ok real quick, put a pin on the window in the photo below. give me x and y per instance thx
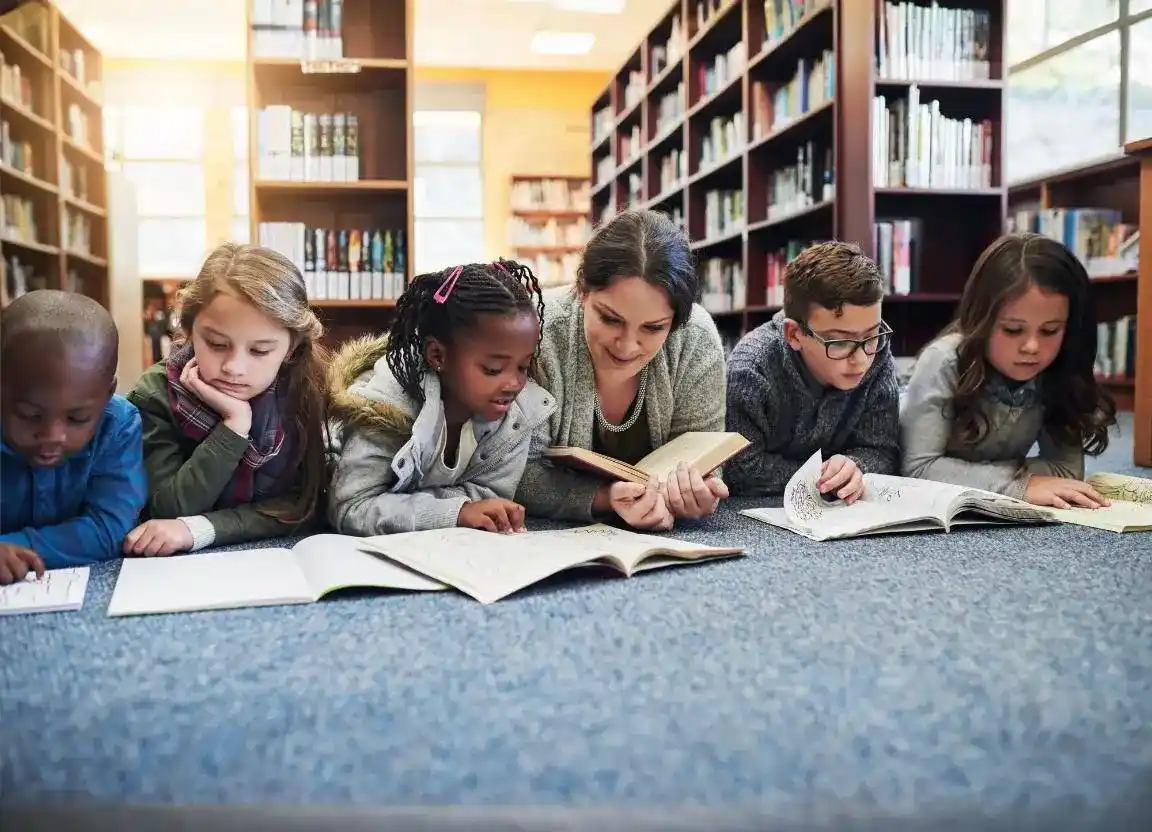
(162, 132)
(171, 247)
(1139, 124)
(1035, 26)
(167, 189)
(448, 195)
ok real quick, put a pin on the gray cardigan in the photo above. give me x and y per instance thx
(999, 462)
(389, 441)
(685, 393)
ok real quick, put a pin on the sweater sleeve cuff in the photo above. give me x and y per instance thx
(1018, 486)
(440, 514)
(203, 532)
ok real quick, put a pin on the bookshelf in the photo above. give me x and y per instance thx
(1093, 208)
(548, 224)
(330, 151)
(1142, 448)
(54, 216)
(762, 127)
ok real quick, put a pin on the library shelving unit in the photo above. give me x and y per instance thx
(1093, 208)
(330, 151)
(53, 183)
(548, 224)
(1142, 447)
(763, 126)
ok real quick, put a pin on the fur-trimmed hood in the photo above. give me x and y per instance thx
(365, 394)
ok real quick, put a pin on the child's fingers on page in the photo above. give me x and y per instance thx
(32, 561)
(499, 515)
(7, 575)
(516, 516)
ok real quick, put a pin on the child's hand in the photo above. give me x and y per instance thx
(16, 562)
(1059, 492)
(689, 495)
(841, 476)
(641, 506)
(494, 515)
(157, 538)
(236, 414)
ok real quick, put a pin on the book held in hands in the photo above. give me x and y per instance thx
(703, 450)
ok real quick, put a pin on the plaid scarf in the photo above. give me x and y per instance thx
(265, 469)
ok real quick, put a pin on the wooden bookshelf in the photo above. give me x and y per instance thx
(54, 234)
(668, 101)
(548, 224)
(330, 153)
(1069, 205)
(1142, 447)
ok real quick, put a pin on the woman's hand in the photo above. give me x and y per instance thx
(692, 496)
(235, 413)
(158, 538)
(1059, 492)
(641, 506)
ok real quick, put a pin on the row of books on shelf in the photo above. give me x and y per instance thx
(17, 87)
(553, 269)
(632, 145)
(800, 186)
(307, 147)
(723, 67)
(551, 195)
(74, 179)
(16, 153)
(897, 247)
(722, 284)
(783, 16)
(673, 167)
(775, 106)
(21, 277)
(1101, 239)
(665, 54)
(1116, 348)
(342, 263)
(669, 111)
(78, 124)
(915, 146)
(76, 232)
(724, 139)
(933, 42)
(18, 219)
(633, 90)
(553, 232)
(724, 213)
(308, 29)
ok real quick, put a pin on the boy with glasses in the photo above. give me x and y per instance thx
(819, 376)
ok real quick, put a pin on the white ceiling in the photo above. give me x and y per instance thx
(466, 33)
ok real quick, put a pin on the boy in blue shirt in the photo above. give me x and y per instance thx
(72, 478)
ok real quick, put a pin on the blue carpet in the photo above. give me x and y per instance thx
(989, 669)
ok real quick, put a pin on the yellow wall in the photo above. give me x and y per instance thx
(534, 122)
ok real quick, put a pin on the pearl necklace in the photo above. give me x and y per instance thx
(637, 406)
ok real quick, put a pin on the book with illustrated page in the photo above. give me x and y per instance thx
(890, 505)
(58, 590)
(703, 450)
(484, 565)
(1130, 509)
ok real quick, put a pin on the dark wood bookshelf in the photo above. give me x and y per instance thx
(951, 221)
(1112, 182)
(52, 174)
(369, 77)
(1142, 383)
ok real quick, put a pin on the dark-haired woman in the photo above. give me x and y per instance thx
(1014, 370)
(633, 363)
(435, 419)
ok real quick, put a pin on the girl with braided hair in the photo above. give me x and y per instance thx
(435, 418)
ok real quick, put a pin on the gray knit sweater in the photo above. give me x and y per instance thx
(685, 393)
(787, 415)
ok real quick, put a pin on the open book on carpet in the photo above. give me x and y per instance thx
(1130, 509)
(704, 450)
(484, 565)
(890, 505)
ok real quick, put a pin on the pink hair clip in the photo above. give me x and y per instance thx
(500, 266)
(448, 285)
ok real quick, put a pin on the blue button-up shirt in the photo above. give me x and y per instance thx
(79, 511)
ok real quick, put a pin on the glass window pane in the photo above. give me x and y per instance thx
(167, 189)
(1082, 84)
(443, 191)
(171, 247)
(1140, 80)
(443, 243)
(241, 230)
(240, 189)
(163, 132)
(1139, 6)
(240, 133)
(446, 136)
(113, 135)
(1037, 25)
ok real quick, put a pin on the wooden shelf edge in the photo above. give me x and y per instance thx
(364, 63)
(85, 93)
(84, 205)
(26, 113)
(42, 248)
(766, 52)
(90, 259)
(351, 185)
(28, 179)
(28, 48)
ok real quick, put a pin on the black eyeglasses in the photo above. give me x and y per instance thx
(839, 349)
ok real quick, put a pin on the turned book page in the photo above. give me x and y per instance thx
(704, 450)
(1130, 509)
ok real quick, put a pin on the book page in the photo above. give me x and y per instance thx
(704, 450)
(1121, 516)
(335, 561)
(583, 459)
(212, 581)
(1122, 487)
(59, 590)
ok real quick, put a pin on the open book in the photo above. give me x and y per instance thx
(484, 565)
(890, 505)
(703, 450)
(59, 590)
(1130, 509)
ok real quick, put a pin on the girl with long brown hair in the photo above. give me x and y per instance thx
(1014, 369)
(233, 419)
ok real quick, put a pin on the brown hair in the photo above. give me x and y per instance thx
(830, 275)
(271, 283)
(1077, 410)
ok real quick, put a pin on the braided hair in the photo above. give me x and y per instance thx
(503, 287)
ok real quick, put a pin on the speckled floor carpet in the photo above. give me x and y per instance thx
(986, 670)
